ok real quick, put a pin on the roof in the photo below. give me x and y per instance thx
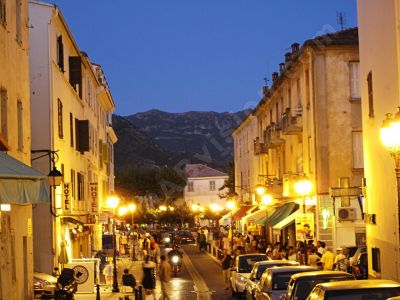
(359, 284)
(200, 170)
(292, 268)
(322, 274)
(277, 262)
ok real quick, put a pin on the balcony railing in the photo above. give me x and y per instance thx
(272, 137)
(259, 147)
(292, 125)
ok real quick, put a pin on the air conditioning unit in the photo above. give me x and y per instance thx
(347, 214)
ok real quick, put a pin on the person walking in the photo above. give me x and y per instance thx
(128, 279)
(149, 277)
(327, 260)
(341, 262)
(165, 277)
(108, 273)
(226, 267)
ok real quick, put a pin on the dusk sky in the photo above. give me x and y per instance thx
(205, 55)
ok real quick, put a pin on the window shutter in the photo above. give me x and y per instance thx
(354, 80)
(105, 153)
(75, 70)
(3, 12)
(60, 49)
(82, 135)
(358, 158)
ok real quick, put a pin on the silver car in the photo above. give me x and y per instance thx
(356, 290)
(241, 270)
(275, 280)
(258, 270)
(44, 285)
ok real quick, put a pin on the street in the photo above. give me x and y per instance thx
(199, 279)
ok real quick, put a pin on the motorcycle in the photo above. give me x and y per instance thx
(175, 259)
(66, 285)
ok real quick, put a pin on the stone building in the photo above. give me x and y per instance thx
(71, 116)
(309, 126)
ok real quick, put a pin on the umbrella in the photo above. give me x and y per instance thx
(63, 256)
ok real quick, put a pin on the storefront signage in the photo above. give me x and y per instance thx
(93, 194)
(305, 227)
(66, 196)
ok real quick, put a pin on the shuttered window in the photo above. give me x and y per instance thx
(82, 135)
(354, 70)
(18, 22)
(71, 129)
(358, 158)
(3, 114)
(81, 187)
(3, 19)
(371, 112)
(212, 185)
(60, 53)
(75, 73)
(60, 119)
(20, 126)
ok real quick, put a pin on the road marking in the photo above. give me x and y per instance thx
(200, 286)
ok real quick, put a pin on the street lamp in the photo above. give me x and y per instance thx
(112, 203)
(390, 136)
(303, 187)
(231, 205)
(132, 209)
(260, 189)
(265, 202)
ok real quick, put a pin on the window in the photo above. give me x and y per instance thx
(18, 33)
(60, 119)
(60, 53)
(376, 259)
(20, 126)
(71, 129)
(212, 185)
(289, 97)
(75, 73)
(3, 114)
(81, 186)
(190, 186)
(354, 70)
(370, 96)
(3, 19)
(358, 158)
(308, 97)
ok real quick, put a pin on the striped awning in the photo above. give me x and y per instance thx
(279, 214)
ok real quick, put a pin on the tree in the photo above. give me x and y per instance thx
(229, 183)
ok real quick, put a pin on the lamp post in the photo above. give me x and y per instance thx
(390, 136)
(132, 209)
(303, 188)
(231, 206)
(112, 203)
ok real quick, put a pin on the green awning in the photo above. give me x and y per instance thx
(279, 214)
(20, 183)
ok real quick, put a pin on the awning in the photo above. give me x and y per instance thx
(289, 219)
(20, 183)
(279, 214)
(241, 212)
(255, 216)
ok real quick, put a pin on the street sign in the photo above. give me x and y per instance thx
(346, 191)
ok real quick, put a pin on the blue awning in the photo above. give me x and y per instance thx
(279, 214)
(19, 183)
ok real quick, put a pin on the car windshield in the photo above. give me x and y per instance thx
(262, 268)
(363, 294)
(280, 280)
(246, 262)
(304, 287)
(185, 233)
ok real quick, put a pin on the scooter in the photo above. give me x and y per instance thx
(66, 285)
(175, 259)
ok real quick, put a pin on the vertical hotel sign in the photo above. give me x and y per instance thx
(93, 194)
(66, 197)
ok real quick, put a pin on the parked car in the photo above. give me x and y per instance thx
(241, 270)
(184, 237)
(274, 281)
(44, 285)
(355, 290)
(258, 270)
(301, 284)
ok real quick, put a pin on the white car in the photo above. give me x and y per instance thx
(240, 272)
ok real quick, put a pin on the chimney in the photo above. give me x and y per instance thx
(275, 76)
(295, 47)
(288, 57)
(282, 67)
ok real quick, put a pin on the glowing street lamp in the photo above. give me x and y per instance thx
(390, 136)
(266, 199)
(122, 210)
(112, 202)
(260, 189)
(162, 208)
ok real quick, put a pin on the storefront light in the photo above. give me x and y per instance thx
(5, 207)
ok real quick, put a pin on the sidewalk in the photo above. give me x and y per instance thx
(135, 267)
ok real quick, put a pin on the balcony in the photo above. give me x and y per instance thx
(259, 147)
(292, 125)
(272, 136)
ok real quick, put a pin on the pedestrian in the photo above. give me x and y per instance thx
(128, 279)
(313, 258)
(248, 240)
(327, 260)
(320, 248)
(341, 262)
(165, 277)
(202, 241)
(108, 273)
(226, 267)
(149, 277)
(276, 252)
(292, 254)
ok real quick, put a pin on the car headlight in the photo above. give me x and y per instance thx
(175, 259)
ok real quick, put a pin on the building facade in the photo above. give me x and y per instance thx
(379, 79)
(309, 126)
(20, 185)
(71, 116)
